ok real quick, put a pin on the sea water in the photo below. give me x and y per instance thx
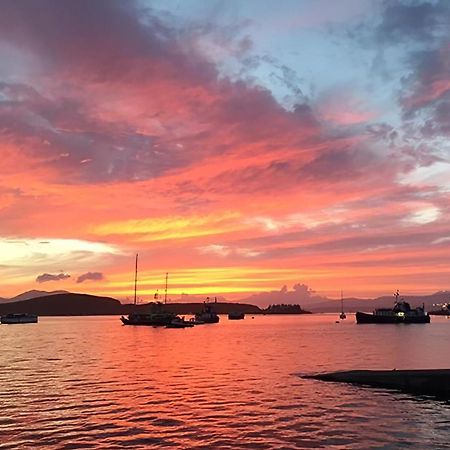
(90, 382)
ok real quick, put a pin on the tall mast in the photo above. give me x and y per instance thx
(135, 280)
(165, 292)
(342, 301)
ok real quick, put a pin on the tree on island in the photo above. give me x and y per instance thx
(285, 308)
(300, 294)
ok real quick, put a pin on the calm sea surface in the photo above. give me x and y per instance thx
(92, 383)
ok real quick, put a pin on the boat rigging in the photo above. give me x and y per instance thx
(342, 316)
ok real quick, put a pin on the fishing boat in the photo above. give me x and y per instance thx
(207, 314)
(400, 313)
(236, 315)
(19, 318)
(342, 316)
(156, 314)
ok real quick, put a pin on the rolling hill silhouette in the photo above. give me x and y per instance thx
(71, 304)
(66, 304)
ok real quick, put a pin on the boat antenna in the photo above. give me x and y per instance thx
(135, 280)
(165, 292)
(396, 295)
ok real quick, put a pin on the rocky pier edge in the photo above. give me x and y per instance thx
(434, 382)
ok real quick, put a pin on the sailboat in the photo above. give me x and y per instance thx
(342, 316)
(156, 314)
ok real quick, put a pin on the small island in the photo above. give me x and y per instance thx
(285, 309)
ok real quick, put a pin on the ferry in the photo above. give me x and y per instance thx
(400, 313)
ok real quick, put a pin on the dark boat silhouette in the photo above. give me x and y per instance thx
(156, 314)
(443, 311)
(342, 315)
(207, 314)
(18, 318)
(400, 313)
(236, 315)
(179, 322)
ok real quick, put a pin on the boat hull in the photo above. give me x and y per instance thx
(180, 324)
(9, 320)
(196, 322)
(363, 318)
(236, 316)
(147, 321)
(210, 318)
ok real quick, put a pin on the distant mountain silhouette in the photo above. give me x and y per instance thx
(34, 294)
(368, 305)
(62, 303)
(66, 304)
(70, 304)
(29, 295)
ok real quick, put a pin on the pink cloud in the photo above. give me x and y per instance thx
(125, 126)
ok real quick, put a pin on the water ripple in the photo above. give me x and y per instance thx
(146, 388)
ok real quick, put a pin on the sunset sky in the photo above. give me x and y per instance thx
(238, 145)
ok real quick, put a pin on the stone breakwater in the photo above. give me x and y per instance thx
(434, 382)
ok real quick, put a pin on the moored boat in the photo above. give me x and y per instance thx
(19, 318)
(443, 311)
(157, 317)
(342, 315)
(179, 322)
(195, 321)
(236, 315)
(156, 314)
(207, 314)
(400, 313)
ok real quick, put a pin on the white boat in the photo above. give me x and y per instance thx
(19, 318)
